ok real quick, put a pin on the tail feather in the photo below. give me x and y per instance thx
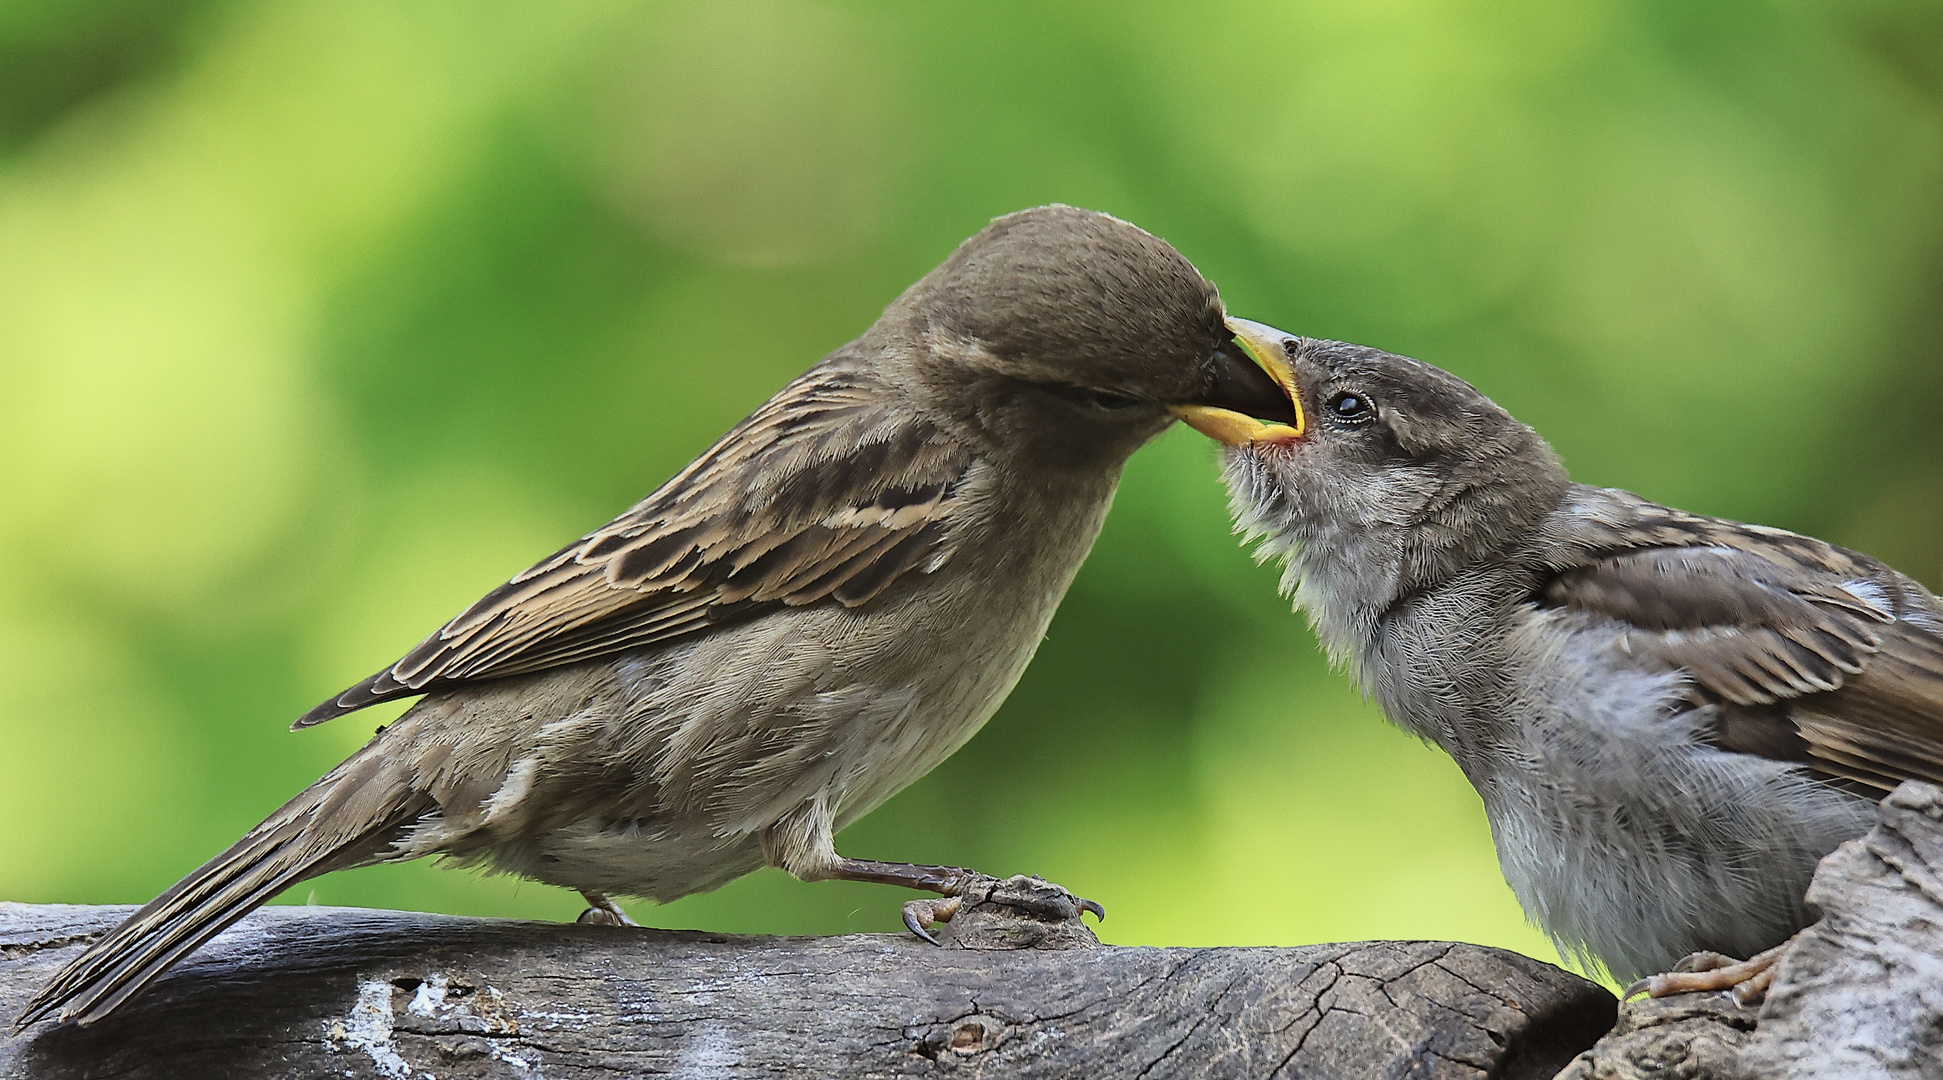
(309, 836)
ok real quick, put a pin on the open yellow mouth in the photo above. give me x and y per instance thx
(1263, 345)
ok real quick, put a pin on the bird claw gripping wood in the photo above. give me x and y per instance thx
(919, 915)
(1039, 900)
(602, 911)
(1748, 979)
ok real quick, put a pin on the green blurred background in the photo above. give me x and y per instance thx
(317, 320)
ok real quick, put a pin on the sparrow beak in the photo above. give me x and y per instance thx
(1251, 396)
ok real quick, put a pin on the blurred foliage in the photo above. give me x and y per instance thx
(319, 319)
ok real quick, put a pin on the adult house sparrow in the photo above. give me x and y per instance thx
(1670, 718)
(809, 617)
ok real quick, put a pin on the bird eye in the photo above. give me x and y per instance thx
(1350, 407)
(1091, 396)
(1107, 399)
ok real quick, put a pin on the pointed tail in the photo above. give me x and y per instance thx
(348, 818)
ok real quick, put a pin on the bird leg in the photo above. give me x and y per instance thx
(800, 843)
(949, 882)
(602, 912)
(1748, 979)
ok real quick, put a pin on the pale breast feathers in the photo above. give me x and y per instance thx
(823, 495)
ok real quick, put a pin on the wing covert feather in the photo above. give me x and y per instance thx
(1806, 651)
(823, 495)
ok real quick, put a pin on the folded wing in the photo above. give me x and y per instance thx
(824, 495)
(1808, 652)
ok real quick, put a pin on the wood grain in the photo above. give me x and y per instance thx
(307, 992)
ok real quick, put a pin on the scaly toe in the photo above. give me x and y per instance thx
(1748, 979)
(1755, 989)
(1704, 961)
(920, 914)
(594, 916)
(602, 912)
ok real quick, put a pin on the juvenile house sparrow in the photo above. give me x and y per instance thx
(1670, 718)
(810, 616)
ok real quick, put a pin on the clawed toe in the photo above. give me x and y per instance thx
(1704, 961)
(1041, 899)
(919, 915)
(1756, 987)
(1748, 979)
(602, 912)
(1045, 902)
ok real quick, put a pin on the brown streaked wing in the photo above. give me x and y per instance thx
(1809, 651)
(822, 495)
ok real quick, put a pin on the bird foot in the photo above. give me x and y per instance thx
(1748, 979)
(1015, 913)
(921, 915)
(963, 891)
(602, 912)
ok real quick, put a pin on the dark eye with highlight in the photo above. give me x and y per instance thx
(1350, 407)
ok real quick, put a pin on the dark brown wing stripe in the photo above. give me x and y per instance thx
(1796, 643)
(821, 494)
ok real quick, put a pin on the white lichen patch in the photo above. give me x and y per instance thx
(525, 1067)
(368, 1028)
(441, 1004)
(430, 996)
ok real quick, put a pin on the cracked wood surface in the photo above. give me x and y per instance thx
(306, 992)
(1857, 996)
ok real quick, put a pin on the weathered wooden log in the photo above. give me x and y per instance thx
(308, 992)
(1858, 996)
(318, 991)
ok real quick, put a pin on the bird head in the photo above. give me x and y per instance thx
(1395, 475)
(1071, 337)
